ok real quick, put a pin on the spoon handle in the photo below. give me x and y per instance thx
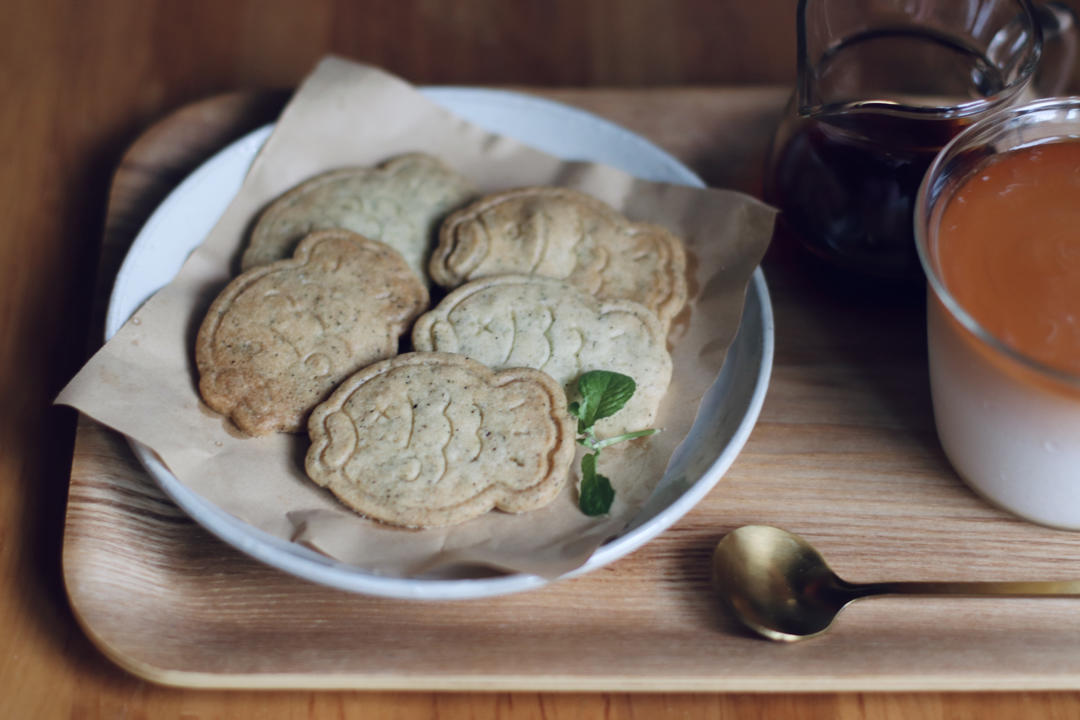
(1064, 588)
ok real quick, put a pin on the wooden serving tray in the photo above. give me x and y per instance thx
(844, 453)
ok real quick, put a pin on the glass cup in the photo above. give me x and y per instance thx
(1007, 417)
(882, 86)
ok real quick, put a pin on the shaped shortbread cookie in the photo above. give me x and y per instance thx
(564, 234)
(530, 321)
(279, 337)
(399, 203)
(432, 439)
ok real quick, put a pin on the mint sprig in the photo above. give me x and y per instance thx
(603, 393)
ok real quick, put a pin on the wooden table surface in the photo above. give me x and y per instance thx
(81, 80)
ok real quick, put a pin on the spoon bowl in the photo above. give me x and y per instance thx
(776, 582)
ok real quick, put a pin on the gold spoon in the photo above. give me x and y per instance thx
(781, 587)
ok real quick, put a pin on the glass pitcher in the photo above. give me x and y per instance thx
(883, 85)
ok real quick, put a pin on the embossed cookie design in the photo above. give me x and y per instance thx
(399, 203)
(279, 337)
(563, 234)
(431, 439)
(550, 325)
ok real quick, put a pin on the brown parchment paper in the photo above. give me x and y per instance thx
(143, 382)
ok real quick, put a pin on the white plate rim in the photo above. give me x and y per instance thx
(308, 564)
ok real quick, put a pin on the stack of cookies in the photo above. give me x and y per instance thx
(539, 286)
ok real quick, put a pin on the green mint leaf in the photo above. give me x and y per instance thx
(575, 409)
(596, 494)
(603, 393)
(599, 444)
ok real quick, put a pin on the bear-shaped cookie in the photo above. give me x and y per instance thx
(399, 203)
(279, 337)
(530, 321)
(434, 439)
(561, 233)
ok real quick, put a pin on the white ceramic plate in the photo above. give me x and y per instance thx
(728, 411)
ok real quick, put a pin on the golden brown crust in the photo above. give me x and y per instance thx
(539, 322)
(566, 234)
(400, 203)
(435, 439)
(280, 336)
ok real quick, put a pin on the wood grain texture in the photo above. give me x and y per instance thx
(844, 453)
(82, 79)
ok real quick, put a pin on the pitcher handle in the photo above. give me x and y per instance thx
(1060, 31)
